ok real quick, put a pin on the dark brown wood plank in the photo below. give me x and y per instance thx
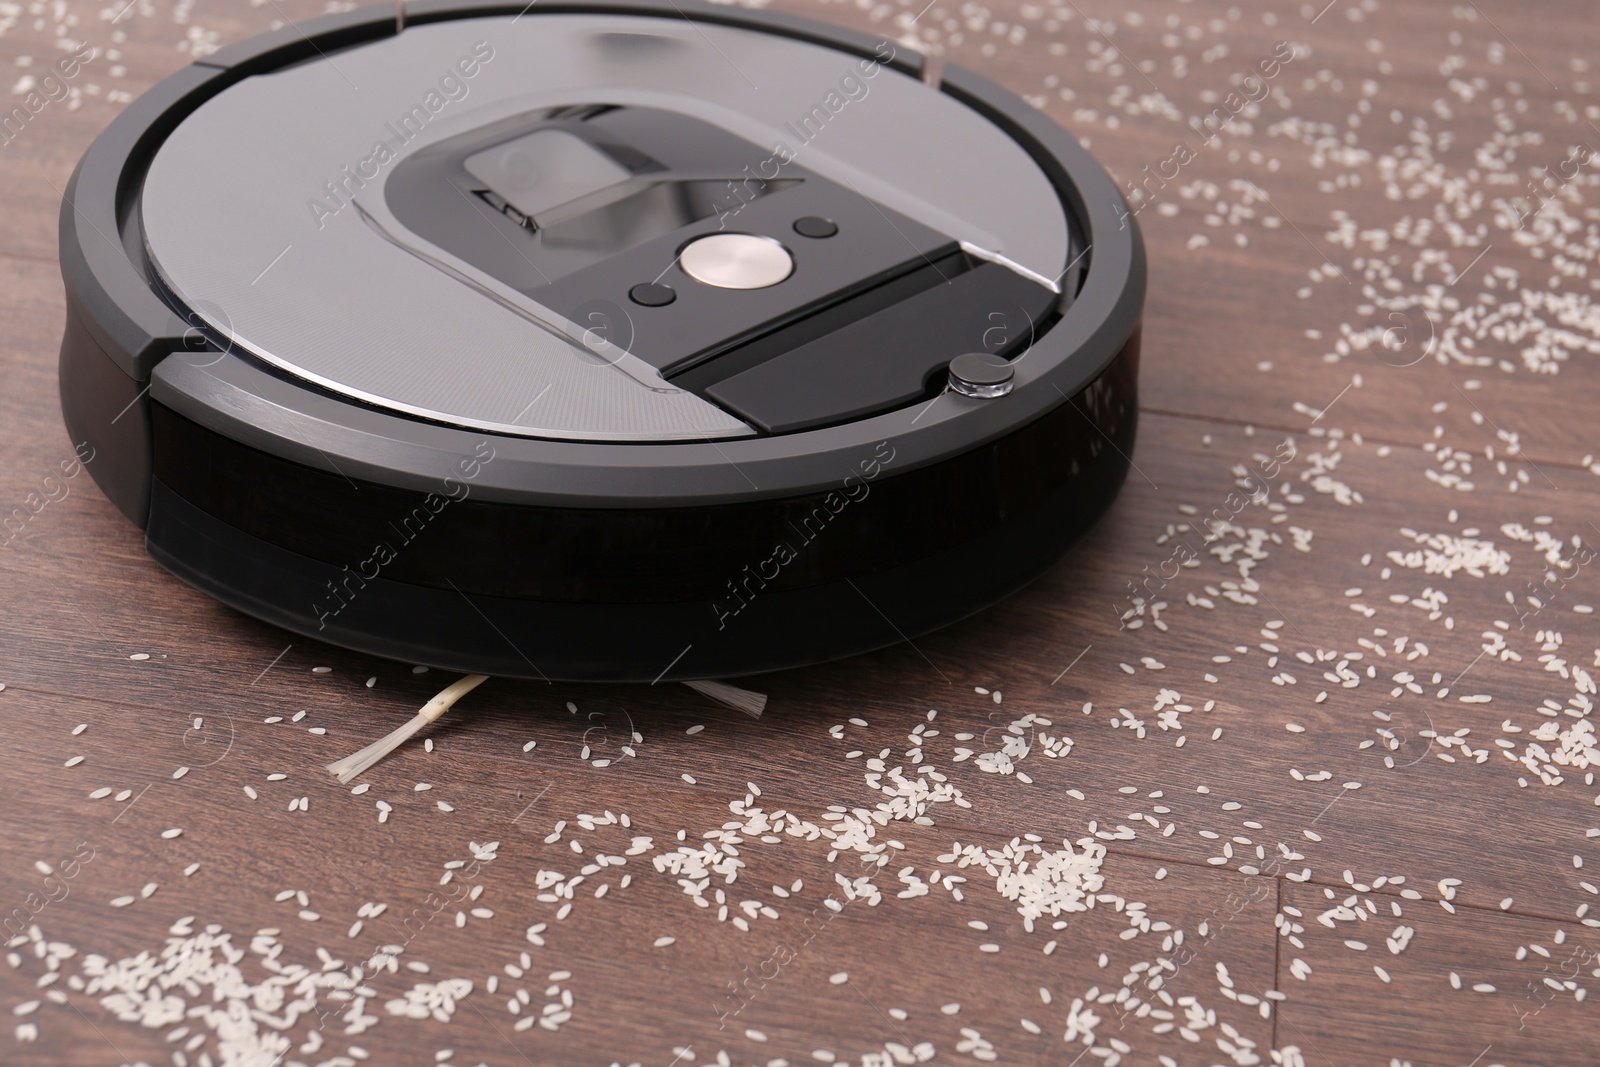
(1513, 1006)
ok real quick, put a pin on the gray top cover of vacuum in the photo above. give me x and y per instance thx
(265, 209)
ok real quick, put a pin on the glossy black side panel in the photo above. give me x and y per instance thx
(761, 629)
(107, 415)
(877, 518)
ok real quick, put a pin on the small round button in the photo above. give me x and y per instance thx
(981, 374)
(652, 294)
(815, 226)
(736, 261)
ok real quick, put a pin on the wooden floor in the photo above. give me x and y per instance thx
(1325, 797)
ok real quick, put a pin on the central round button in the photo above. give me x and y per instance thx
(736, 261)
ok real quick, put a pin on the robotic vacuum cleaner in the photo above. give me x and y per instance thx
(600, 340)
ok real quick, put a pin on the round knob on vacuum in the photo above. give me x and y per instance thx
(981, 374)
(736, 261)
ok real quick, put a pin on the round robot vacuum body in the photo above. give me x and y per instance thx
(598, 341)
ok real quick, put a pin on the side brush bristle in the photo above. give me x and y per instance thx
(358, 762)
(745, 700)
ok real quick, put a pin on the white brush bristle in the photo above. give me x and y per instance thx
(745, 700)
(357, 762)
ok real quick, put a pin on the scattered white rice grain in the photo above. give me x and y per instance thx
(80, 728)
(140, 656)
(176, 831)
(321, 670)
(122, 902)
(251, 793)
(839, 979)
(73, 762)
(696, 728)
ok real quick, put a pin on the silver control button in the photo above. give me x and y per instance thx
(736, 261)
(981, 374)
